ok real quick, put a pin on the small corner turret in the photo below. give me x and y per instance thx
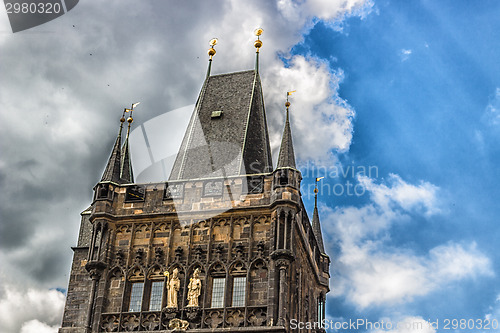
(286, 177)
(118, 170)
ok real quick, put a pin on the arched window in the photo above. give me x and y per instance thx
(135, 290)
(155, 289)
(239, 284)
(156, 296)
(218, 285)
(321, 308)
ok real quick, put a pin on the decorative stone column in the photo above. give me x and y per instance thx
(282, 258)
(95, 269)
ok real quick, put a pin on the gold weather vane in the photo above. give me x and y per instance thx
(130, 119)
(316, 185)
(288, 93)
(211, 53)
(211, 50)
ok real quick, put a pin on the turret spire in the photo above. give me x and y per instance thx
(316, 226)
(286, 158)
(112, 170)
(126, 173)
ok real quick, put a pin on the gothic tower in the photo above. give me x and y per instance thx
(225, 245)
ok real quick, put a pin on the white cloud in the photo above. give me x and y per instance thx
(318, 119)
(492, 113)
(370, 272)
(35, 326)
(422, 197)
(373, 275)
(405, 54)
(410, 324)
(31, 310)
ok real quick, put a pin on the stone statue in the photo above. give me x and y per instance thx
(194, 289)
(173, 287)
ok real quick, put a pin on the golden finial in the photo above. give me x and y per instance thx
(211, 50)
(258, 42)
(129, 119)
(211, 53)
(288, 93)
(316, 185)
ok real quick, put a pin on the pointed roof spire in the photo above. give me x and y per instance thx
(126, 173)
(112, 170)
(258, 45)
(316, 226)
(211, 53)
(286, 158)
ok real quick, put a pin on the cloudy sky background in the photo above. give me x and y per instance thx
(397, 104)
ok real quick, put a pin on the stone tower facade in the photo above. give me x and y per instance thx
(225, 245)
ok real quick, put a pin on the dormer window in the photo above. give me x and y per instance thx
(217, 114)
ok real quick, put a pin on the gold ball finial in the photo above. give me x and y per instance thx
(130, 120)
(316, 190)
(287, 104)
(258, 42)
(211, 50)
(122, 119)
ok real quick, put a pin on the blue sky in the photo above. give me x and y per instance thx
(423, 77)
(410, 88)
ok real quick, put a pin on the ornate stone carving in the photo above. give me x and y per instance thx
(139, 255)
(170, 313)
(178, 253)
(95, 269)
(158, 255)
(219, 249)
(130, 322)
(120, 258)
(238, 250)
(193, 314)
(110, 323)
(260, 248)
(177, 325)
(257, 317)
(213, 319)
(235, 318)
(151, 321)
(194, 289)
(198, 252)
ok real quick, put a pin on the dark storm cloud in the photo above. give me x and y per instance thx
(62, 94)
(63, 88)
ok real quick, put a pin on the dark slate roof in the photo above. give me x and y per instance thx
(286, 158)
(112, 171)
(228, 143)
(126, 173)
(316, 226)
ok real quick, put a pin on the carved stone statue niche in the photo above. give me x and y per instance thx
(173, 284)
(194, 289)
